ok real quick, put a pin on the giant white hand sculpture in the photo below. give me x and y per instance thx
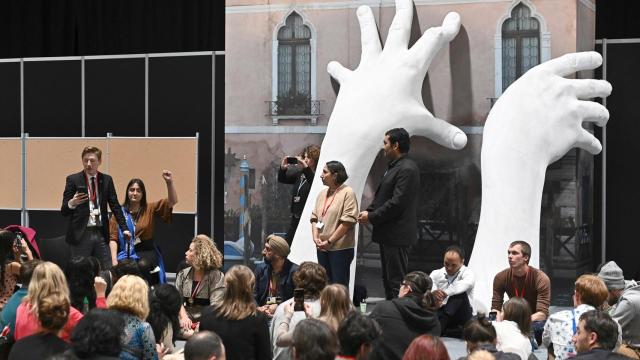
(535, 122)
(384, 92)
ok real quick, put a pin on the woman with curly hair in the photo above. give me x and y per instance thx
(48, 279)
(130, 296)
(97, 335)
(164, 306)
(243, 329)
(201, 283)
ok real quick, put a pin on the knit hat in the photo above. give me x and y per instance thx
(612, 276)
(278, 245)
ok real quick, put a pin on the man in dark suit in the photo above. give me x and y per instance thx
(393, 210)
(85, 199)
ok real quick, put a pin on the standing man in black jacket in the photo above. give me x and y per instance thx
(393, 210)
(85, 199)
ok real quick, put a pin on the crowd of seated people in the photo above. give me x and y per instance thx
(281, 310)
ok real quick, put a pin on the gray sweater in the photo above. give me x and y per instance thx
(627, 312)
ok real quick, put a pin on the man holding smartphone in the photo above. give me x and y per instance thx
(85, 199)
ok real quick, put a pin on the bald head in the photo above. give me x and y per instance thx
(204, 345)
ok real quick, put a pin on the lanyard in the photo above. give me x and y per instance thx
(92, 195)
(452, 279)
(524, 285)
(273, 289)
(195, 291)
(304, 180)
(573, 320)
(324, 209)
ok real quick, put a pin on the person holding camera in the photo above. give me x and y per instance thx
(299, 171)
(11, 249)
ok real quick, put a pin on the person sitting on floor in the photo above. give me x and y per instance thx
(274, 276)
(453, 288)
(590, 293)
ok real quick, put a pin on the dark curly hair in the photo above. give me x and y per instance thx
(164, 307)
(98, 333)
(80, 278)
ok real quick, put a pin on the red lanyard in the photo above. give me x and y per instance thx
(273, 287)
(523, 285)
(195, 291)
(324, 209)
(93, 189)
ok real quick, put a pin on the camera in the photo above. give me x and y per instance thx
(292, 160)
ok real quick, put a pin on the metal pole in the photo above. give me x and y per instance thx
(604, 162)
(24, 215)
(195, 218)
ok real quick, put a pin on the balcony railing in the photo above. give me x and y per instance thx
(279, 110)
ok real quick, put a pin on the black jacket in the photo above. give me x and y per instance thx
(393, 210)
(301, 186)
(401, 321)
(285, 284)
(600, 354)
(79, 216)
(498, 355)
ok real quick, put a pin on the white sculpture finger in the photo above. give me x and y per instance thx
(430, 43)
(338, 72)
(593, 112)
(588, 142)
(437, 130)
(590, 88)
(371, 46)
(400, 29)
(570, 63)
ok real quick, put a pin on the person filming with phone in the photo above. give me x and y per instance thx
(299, 171)
(85, 199)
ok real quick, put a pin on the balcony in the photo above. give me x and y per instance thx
(294, 109)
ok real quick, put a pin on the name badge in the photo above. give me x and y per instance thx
(137, 240)
(95, 212)
(319, 225)
(296, 199)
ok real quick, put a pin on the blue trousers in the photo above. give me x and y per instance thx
(337, 263)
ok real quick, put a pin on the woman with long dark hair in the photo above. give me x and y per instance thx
(403, 319)
(164, 306)
(236, 319)
(10, 250)
(140, 216)
(81, 279)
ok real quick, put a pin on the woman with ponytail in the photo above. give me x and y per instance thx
(412, 314)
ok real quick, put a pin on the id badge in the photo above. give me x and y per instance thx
(95, 212)
(319, 225)
(137, 240)
(271, 300)
(296, 199)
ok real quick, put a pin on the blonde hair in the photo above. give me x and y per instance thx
(130, 294)
(335, 304)
(238, 302)
(47, 279)
(207, 256)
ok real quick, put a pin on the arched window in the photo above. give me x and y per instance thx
(294, 66)
(520, 44)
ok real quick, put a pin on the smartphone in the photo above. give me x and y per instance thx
(81, 189)
(292, 160)
(493, 315)
(298, 300)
